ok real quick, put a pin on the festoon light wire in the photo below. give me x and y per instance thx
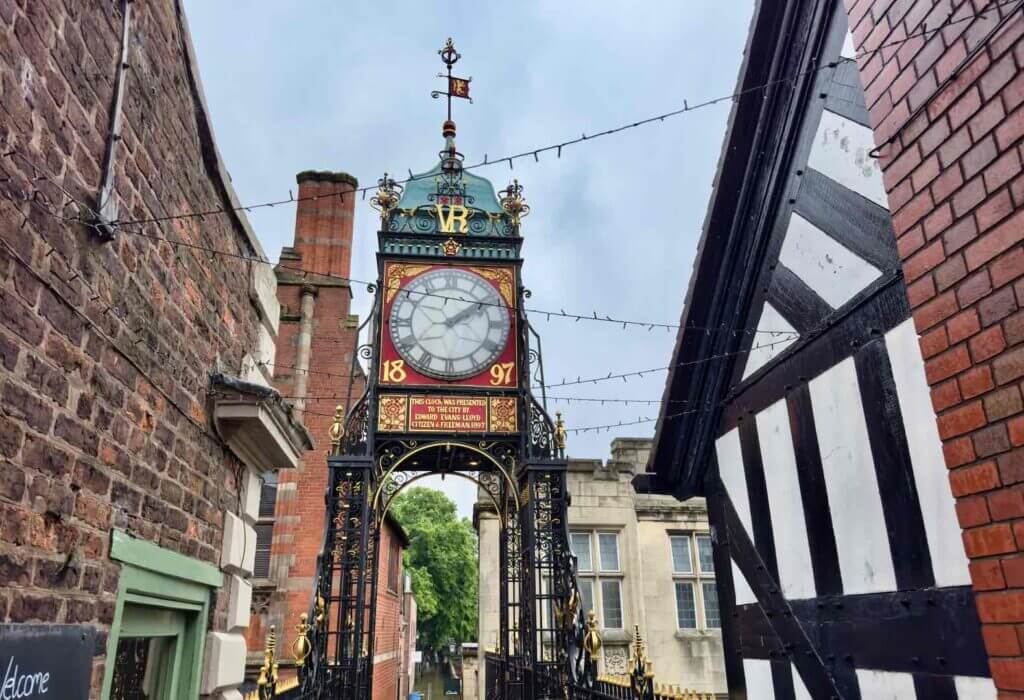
(950, 20)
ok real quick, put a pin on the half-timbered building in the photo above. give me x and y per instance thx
(797, 402)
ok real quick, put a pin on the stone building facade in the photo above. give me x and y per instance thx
(136, 418)
(642, 560)
(947, 110)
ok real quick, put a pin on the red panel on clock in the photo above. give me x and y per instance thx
(465, 331)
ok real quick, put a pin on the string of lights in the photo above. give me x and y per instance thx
(337, 396)
(589, 428)
(558, 147)
(548, 314)
(624, 376)
(94, 327)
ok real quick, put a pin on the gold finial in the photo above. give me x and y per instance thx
(592, 638)
(513, 202)
(560, 432)
(388, 194)
(337, 430)
(301, 646)
(321, 613)
(268, 672)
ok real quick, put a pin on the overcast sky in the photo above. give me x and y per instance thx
(327, 85)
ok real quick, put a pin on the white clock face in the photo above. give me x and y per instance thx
(449, 324)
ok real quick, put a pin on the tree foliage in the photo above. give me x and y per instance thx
(442, 560)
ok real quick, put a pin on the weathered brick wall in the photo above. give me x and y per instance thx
(323, 240)
(388, 628)
(953, 172)
(103, 413)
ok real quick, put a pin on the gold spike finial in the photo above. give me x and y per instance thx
(560, 431)
(301, 646)
(337, 430)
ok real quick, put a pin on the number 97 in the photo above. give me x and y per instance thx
(501, 373)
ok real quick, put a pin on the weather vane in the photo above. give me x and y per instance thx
(457, 87)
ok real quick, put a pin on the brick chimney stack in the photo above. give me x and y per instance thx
(323, 226)
(315, 346)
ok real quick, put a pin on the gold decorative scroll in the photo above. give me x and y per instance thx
(394, 275)
(503, 278)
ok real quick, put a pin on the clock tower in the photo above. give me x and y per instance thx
(449, 358)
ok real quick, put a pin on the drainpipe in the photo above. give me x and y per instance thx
(105, 203)
(308, 303)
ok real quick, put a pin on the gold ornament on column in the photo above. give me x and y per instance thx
(592, 638)
(560, 432)
(337, 430)
(268, 672)
(301, 646)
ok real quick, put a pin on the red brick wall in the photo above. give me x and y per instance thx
(956, 192)
(103, 414)
(388, 626)
(323, 241)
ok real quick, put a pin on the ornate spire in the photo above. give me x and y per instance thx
(457, 87)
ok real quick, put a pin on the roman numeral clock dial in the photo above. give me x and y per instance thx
(449, 324)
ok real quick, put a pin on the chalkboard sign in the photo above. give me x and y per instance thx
(46, 662)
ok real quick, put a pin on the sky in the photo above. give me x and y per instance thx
(326, 85)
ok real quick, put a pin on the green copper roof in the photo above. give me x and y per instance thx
(422, 191)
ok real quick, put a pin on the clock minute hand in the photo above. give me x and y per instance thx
(465, 313)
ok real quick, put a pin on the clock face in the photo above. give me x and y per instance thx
(449, 324)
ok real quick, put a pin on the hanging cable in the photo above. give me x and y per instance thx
(558, 147)
(594, 316)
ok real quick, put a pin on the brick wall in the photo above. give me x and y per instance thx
(953, 173)
(387, 643)
(103, 411)
(323, 241)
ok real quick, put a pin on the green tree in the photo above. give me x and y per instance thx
(442, 560)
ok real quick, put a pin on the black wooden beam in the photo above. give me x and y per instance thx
(933, 631)
(843, 94)
(797, 646)
(800, 305)
(901, 507)
(854, 222)
(935, 687)
(877, 309)
(724, 582)
(817, 515)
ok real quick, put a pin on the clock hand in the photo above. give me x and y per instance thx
(465, 313)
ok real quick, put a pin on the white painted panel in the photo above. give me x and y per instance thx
(758, 673)
(740, 588)
(848, 51)
(787, 510)
(885, 685)
(974, 688)
(730, 470)
(774, 336)
(840, 152)
(949, 561)
(831, 270)
(865, 560)
(800, 691)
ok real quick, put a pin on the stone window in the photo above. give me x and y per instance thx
(693, 573)
(603, 580)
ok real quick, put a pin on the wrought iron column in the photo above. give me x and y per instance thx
(343, 657)
(546, 601)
